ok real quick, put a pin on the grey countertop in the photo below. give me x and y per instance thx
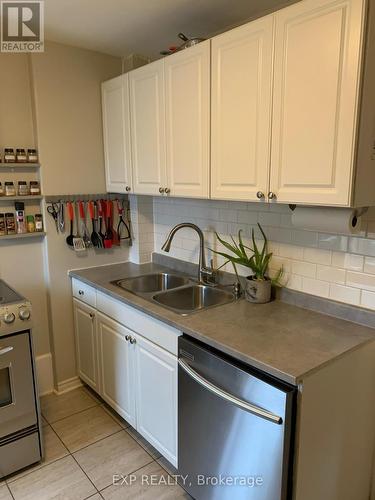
(281, 339)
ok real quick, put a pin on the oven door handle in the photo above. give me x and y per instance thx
(5, 350)
(240, 403)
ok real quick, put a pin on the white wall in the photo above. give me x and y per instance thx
(335, 266)
(67, 98)
(21, 263)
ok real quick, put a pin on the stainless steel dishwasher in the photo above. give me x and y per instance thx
(235, 428)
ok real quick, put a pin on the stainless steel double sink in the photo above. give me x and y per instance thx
(179, 293)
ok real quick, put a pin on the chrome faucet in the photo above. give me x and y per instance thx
(205, 274)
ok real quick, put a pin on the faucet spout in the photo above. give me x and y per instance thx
(203, 271)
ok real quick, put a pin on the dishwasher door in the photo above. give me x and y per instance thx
(234, 428)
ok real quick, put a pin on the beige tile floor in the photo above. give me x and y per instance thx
(85, 444)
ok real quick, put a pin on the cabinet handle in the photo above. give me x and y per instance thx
(127, 338)
(260, 195)
(167, 190)
(128, 188)
(92, 315)
(133, 340)
(161, 190)
(81, 292)
(271, 196)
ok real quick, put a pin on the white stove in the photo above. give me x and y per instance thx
(15, 310)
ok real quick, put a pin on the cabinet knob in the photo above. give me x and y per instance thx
(127, 338)
(92, 315)
(81, 292)
(271, 196)
(133, 340)
(127, 189)
(260, 195)
(161, 190)
(167, 190)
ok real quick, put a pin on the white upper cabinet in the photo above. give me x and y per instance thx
(241, 111)
(116, 132)
(147, 110)
(187, 91)
(316, 85)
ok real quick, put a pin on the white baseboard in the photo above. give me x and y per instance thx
(68, 385)
(44, 372)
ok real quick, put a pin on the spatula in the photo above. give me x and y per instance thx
(78, 243)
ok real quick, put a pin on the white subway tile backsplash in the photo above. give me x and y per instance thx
(344, 294)
(317, 256)
(347, 261)
(304, 269)
(315, 287)
(328, 265)
(304, 238)
(331, 274)
(368, 299)
(333, 242)
(290, 252)
(246, 217)
(361, 280)
(269, 218)
(369, 265)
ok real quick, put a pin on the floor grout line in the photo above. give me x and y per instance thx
(70, 454)
(128, 474)
(71, 415)
(95, 442)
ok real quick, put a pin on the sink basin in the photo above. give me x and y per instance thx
(193, 298)
(150, 283)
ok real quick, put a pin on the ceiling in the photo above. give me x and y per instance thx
(123, 27)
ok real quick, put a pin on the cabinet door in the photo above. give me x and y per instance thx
(317, 55)
(147, 108)
(187, 79)
(86, 343)
(117, 367)
(156, 379)
(116, 132)
(241, 111)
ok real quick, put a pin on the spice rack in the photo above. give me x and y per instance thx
(15, 172)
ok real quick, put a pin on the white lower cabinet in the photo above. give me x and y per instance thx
(134, 375)
(86, 343)
(116, 367)
(156, 388)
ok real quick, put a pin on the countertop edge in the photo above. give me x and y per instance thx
(294, 380)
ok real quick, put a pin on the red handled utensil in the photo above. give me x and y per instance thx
(95, 238)
(70, 238)
(108, 237)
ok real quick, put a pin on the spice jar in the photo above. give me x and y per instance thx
(32, 156)
(23, 188)
(30, 223)
(34, 188)
(39, 223)
(3, 231)
(10, 190)
(9, 156)
(20, 218)
(21, 156)
(10, 223)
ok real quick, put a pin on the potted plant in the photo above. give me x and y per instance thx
(258, 284)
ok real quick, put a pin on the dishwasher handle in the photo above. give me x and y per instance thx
(244, 405)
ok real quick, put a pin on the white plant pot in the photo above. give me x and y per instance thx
(258, 291)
